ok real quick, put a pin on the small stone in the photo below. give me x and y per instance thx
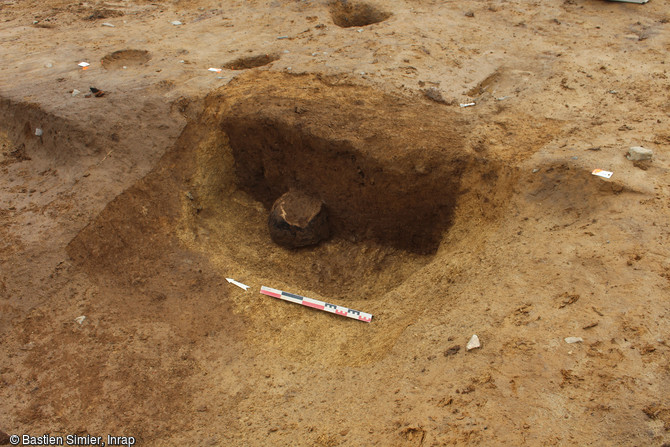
(38, 132)
(176, 23)
(80, 319)
(4, 438)
(75, 92)
(571, 340)
(469, 14)
(637, 153)
(473, 343)
(298, 220)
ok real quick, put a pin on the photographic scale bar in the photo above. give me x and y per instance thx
(316, 304)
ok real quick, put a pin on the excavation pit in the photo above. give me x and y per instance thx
(125, 58)
(390, 170)
(347, 14)
(245, 63)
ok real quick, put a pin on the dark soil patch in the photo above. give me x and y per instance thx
(245, 63)
(104, 13)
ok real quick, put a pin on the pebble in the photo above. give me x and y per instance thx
(571, 340)
(638, 153)
(473, 343)
(38, 132)
(176, 23)
(75, 92)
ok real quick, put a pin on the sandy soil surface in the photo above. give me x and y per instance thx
(132, 207)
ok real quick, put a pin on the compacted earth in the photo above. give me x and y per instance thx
(450, 146)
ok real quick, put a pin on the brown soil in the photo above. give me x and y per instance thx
(132, 209)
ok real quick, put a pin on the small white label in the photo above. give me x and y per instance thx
(601, 173)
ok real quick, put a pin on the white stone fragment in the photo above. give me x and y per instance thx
(473, 343)
(80, 319)
(571, 340)
(638, 153)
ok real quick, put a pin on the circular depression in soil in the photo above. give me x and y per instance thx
(125, 58)
(347, 14)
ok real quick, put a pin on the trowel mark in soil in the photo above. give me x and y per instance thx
(125, 58)
(347, 14)
(245, 63)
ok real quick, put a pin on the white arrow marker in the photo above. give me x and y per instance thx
(238, 284)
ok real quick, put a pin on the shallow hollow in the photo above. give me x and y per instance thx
(346, 14)
(125, 58)
(247, 62)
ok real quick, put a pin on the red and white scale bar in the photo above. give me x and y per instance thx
(316, 304)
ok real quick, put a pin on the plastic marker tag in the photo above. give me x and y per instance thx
(238, 284)
(601, 173)
(332, 308)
